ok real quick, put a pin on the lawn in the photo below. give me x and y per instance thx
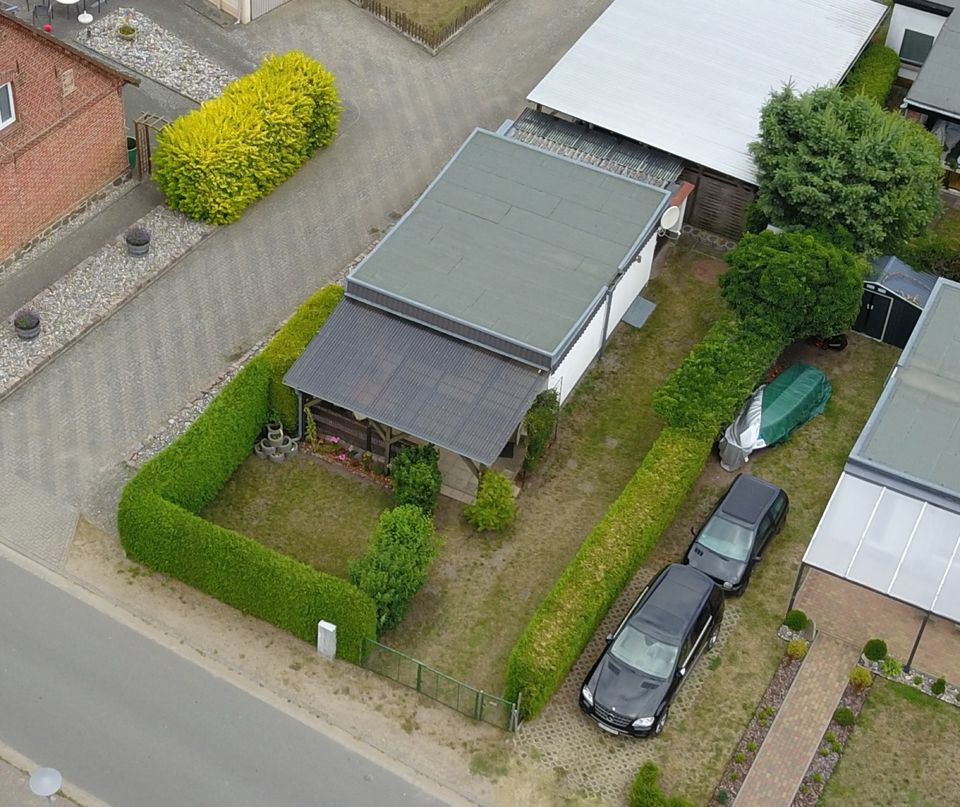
(901, 753)
(303, 507)
(696, 748)
(484, 588)
(432, 14)
(948, 227)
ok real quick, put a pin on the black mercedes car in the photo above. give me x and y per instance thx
(748, 515)
(677, 617)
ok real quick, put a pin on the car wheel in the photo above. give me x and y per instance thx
(713, 639)
(661, 722)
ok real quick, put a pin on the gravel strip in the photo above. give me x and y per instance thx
(157, 54)
(64, 230)
(92, 289)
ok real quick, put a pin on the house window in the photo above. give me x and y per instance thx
(7, 112)
(915, 47)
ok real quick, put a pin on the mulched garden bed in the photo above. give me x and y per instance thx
(831, 747)
(749, 745)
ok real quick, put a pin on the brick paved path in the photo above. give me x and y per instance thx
(786, 752)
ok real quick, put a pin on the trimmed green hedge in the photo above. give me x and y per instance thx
(646, 792)
(874, 73)
(416, 477)
(541, 421)
(216, 160)
(711, 384)
(159, 526)
(495, 508)
(396, 567)
(285, 348)
(607, 559)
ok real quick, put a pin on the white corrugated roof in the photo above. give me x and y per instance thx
(690, 76)
(892, 543)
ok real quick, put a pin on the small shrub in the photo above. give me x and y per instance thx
(216, 160)
(415, 472)
(495, 509)
(751, 746)
(874, 73)
(397, 564)
(797, 648)
(734, 775)
(830, 737)
(645, 790)
(541, 421)
(723, 796)
(917, 680)
(796, 620)
(844, 717)
(939, 686)
(739, 757)
(824, 752)
(26, 318)
(875, 650)
(891, 667)
(818, 777)
(860, 677)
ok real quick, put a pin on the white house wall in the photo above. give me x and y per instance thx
(905, 18)
(586, 348)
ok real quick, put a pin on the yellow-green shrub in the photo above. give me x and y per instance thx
(216, 160)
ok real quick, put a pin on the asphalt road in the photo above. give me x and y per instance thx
(133, 723)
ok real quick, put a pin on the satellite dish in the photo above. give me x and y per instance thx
(670, 218)
(45, 782)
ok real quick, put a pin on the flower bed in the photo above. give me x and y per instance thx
(831, 747)
(337, 451)
(918, 680)
(757, 729)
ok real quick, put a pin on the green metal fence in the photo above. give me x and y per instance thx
(441, 687)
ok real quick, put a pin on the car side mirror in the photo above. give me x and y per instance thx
(609, 638)
(757, 558)
(682, 672)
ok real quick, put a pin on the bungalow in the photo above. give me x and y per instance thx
(505, 278)
(62, 130)
(689, 78)
(934, 97)
(914, 25)
(884, 561)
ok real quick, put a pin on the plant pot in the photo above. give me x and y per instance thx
(276, 457)
(274, 437)
(28, 333)
(132, 151)
(127, 36)
(274, 426)
(137, 250)
(286, 446)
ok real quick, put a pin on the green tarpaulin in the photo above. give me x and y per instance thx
(795, 396)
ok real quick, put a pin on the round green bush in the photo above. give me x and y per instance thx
(495, 508)
(875, 650)
(844, 716)
(796, 620)
(891, 667)
(797, 648)
(939, 687)
(861, 677)
(415, 473)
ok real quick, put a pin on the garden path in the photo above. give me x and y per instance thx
(786, 752)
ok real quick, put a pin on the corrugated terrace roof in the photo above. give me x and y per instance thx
(414, 379)
(937, 87)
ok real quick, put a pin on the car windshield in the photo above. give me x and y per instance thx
(645, 653)
(726, 538)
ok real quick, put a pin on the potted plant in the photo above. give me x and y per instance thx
(138, 241)
(126, 30)
(26, 322)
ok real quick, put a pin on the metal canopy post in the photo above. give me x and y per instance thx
(916, 643)
(796, 585)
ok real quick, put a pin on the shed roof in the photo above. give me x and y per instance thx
(902, 279)
(937, 87)
(511, 241)
(431, 386)
(690, 76)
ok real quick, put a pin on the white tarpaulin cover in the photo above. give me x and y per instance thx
(891, 543)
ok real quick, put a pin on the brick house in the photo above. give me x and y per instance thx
(62, 130)
(884, 561)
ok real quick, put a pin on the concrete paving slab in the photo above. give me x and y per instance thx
(35, 522)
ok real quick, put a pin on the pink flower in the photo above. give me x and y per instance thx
(333, 439)
(342, 456)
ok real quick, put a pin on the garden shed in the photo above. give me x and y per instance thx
(505, 278)
(884, 560)
(893, 298)
(689, 78)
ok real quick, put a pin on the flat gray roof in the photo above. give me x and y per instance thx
(938, 85)
(512, 241)
(408, 376)
(913, 436)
